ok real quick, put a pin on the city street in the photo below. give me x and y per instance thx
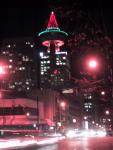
(100, 143)
(56, 75)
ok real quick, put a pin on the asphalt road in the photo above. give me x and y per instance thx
(97, 143)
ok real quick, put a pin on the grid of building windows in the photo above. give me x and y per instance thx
(56, 76)
(17, 55)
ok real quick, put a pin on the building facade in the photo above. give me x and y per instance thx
(60, 73)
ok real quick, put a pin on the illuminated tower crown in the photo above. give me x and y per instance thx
(52, 35)
(52, 61)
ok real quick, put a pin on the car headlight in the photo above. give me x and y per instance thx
(70, 134)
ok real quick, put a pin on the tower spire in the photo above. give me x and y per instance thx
(52, 22)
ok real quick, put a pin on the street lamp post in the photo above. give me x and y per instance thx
(2, 73)
(62, 108)
(93, 67)
(107, 112)
(107, 116)
(62, 112)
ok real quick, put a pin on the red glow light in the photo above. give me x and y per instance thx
(62, 104)
(107, 112)
(74, 120)
(2, 70)
(102, 93)
(56, 71)
(52, 22)
(57, 43)
(92, 64)
(27, 114)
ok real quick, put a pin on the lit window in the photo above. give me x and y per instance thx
(27, 43)
(27, 82)
(10, 60)
(27, 88)
(64, 57)
(20, 68)
(57, 58)
(10, 66)
(86, 106)
(25, 58)
(9, 46)
(42, 73)
(11, 86)
(48, 61)
(4, 52)
(41, 54)
(89, 97)
(32, 45)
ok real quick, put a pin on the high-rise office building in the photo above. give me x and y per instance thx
(54, 64)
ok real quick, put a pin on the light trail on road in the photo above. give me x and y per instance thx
(92, 143)
(100, 143)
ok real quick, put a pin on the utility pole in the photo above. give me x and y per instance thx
(37, 101)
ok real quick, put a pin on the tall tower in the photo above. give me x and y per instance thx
(54, 66)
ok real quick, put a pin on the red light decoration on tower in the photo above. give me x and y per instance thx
(53, 35)
(56, 72)
(52, 22)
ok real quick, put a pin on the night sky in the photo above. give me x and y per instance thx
(27, 17)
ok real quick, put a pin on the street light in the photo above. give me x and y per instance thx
(2, 70)
(92, 64)
(93, 122)
(27, 114)
(62, 112)
(2, 74)
(103, 93)
(85, 117)
(107, 112)
(74, 120)
(63, 104)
